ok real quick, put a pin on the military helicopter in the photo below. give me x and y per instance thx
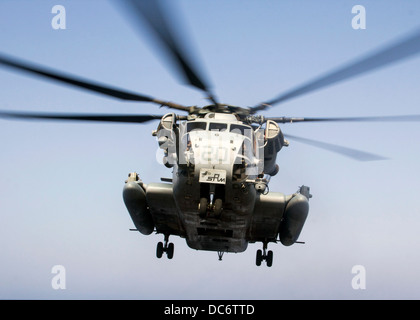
(222, 156)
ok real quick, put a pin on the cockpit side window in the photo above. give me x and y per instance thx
(242, 130)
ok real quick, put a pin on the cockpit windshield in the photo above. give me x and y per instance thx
(216, 126)
(219, 126)
(196, 126)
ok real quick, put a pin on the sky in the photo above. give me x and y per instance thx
(61, 183)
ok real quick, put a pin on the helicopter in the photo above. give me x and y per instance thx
(222, 156)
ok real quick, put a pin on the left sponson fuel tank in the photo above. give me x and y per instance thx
(135, 200)
(293, 220)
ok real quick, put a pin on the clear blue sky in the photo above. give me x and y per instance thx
(61, 184)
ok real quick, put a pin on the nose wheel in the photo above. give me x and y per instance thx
(211, 205)
(165, 247)
(264, 255)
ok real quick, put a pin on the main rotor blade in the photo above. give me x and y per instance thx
(397, 51)
(75, 81)
(167, 31)
(79, 117)
(413, 118)
(71, 80)
(348, 152)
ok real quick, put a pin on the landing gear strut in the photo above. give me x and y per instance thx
(168, 248)
(220, 255)
(264, 255)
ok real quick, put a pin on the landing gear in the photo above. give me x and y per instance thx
(211, 205)
(264, 255)
(159, 250)
(168, 248)
(212, 209)
(220, 255)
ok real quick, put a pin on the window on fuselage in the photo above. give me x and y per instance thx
(242, 130)
(249, 142)
(215, 126)
(196, 126)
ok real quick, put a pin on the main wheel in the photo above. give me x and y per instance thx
(170, 251)
(269, 258)
(159, 250)
(258, 258)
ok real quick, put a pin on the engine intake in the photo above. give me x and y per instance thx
(274, 141)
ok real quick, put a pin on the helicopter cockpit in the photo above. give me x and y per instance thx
(220, 144)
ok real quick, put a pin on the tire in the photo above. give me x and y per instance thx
(170, 251)
(269, 258)
(218, 207)
(159, 250)
(258, 258)
(202, 208)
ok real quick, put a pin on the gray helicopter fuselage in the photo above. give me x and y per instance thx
(217, 155)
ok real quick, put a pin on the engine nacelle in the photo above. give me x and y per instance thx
(293, 220)
(167, 133)
(135, 200)
(274, 141)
